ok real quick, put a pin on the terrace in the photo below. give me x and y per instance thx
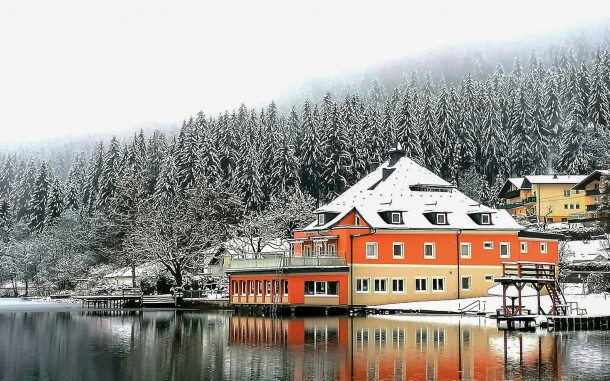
(288, 259)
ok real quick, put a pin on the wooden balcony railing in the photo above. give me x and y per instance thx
(285, 259)
(534, 270)
(591, 192)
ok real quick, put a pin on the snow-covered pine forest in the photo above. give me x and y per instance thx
(165, 198)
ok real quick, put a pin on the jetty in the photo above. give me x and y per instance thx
(130, 298)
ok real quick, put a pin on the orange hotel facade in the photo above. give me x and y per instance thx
(401, 234)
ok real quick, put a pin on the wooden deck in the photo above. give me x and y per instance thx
(129, 298)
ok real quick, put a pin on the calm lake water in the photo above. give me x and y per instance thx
(66, 343)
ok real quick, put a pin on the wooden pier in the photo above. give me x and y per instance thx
(129, 298)
(579, 323)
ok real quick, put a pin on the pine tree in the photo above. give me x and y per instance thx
(7, 179)
(92, 184)
(38, 202)
(24, 192)
(55, 203)
(336, 166)
(167, 185)
(311, 152)
(574, 156)
(6, 220)
(110, 171)
(408, 134)
(156, 150)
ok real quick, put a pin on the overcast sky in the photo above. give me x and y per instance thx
(76, 67)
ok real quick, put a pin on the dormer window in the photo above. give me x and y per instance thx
(441, 219)
(485, 219)
(321, 219)
(395, 217)
(357, 220)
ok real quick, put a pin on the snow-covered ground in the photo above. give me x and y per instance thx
(18, 304)
(595, 304)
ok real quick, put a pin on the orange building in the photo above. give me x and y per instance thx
(400, 234)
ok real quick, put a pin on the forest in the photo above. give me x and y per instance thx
(167, 198)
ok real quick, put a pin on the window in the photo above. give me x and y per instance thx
(362, 285)
(489, 278)
(577, 191)
(549, 219)
(429, 250)
(321, 288)
(577, 206)
(398, 250)
(504, 250)
(566, 193)
(251, 287)
(259, 287)
(268, 287)
(441, 219)
(488, 245)
(321, 219)
(398, 285)
(485, 219)
(395, 218)
(438, 284)
(332, 248)
(317, 249)
(465, 251)
(381, 285)
(421, 284)
(357, 220)
(571, 206)
(276, 287)
(565, 206)
(307, 251)
(523, 247)
(564, 219)
(371, 250)
(466, 283)
(596, 186)
(235, 288)
(242, 284)
(285, 286)
(543, 248)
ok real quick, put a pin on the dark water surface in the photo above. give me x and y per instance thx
(71, 344)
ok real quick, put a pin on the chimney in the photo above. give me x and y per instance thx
(396, 153)
(387, 172)
(554, 175)
(373, 166)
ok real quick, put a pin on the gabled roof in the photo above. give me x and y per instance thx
(401, 192)
(594, 176)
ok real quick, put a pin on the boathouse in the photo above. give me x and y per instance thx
(400, 234)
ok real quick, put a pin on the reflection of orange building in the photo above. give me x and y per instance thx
(400, 234)
(392, 349)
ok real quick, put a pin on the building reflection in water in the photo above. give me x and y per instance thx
(400, 348)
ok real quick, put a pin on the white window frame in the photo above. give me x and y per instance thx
(425, 283)
(321, 219)
(444, 281)
(243, 286)
(307, 251)
(381, 281)
(284, 287)
(235, 287)
(489, 278)
(376, 250)
(397, 219)
(469, 246)
(433, 256)
(331, 248)
(404, 284)
(259, 288)
(507, 245)
(523, 246)
(488, 245)
(268, 288)
(251, 288)
(439, 217)
(402, 250)
(544, 248)
(469, 282)
(566, 193)
(360, 285)
(357, 220)
(483, 216)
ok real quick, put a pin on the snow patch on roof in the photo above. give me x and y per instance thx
(517, 181)
(555, 179)
(372, 195)
(587, 251)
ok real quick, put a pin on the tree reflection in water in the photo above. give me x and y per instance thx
(168, 345)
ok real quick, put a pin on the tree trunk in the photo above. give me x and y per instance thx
(133, 275)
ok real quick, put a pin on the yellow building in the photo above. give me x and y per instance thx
(590, 186)
(545, 198)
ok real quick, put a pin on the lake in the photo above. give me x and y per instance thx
(65, 343)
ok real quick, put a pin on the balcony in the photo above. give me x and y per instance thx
(284, 259)
(591, 192)
(592, 207)
(529, 200)
(511, 194)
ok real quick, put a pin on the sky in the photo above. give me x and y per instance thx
(82, 67)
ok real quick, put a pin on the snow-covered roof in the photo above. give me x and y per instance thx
(555, 179)
(587, 251)
(595, 175)
(404, 191)
(517, 181)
